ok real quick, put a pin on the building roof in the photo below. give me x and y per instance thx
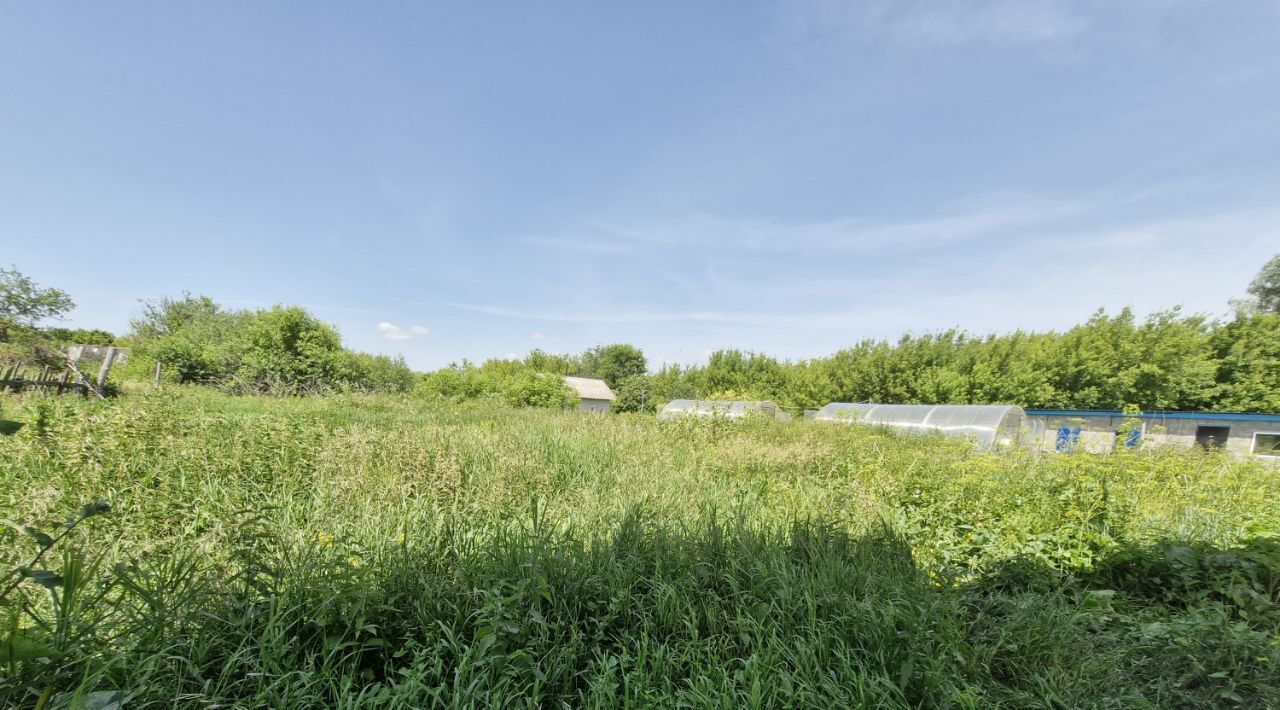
(1225, 416)
(588, 388)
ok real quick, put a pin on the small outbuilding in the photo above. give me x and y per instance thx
(989, 425)
(595, 394)
(1098, 431)
(729, 409)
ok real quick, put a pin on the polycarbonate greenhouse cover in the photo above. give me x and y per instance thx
(718, 407)
(987, 424)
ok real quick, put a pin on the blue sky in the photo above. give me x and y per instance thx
(781, 176)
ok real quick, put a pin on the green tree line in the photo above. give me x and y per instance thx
(283, 350)
(1169, 360)
(535, 380)
(1166, 361)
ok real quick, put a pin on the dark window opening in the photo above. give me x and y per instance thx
(1266, 444)
(1212, 437)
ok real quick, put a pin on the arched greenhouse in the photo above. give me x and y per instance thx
(987, 424)
(729, 409)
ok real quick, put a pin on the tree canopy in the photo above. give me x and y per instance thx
(1265, 288)
(1167, 361)
(282, 350)
(24, 304)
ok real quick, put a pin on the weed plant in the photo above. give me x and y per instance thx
(359, 551)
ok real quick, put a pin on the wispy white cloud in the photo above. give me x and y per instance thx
(391, 331)
(318, 307)
(710, 233)
(1038, 264)
(714, 317)
(996, 21)
(945, 22)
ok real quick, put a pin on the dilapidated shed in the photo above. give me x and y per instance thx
(595, 394)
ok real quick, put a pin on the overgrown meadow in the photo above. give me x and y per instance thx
(386, 552)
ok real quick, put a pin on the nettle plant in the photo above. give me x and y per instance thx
(36, 632)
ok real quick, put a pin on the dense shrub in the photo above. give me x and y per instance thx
(288, 351)
(281, 350)
(513, 382)
(1167, 361)
(635, 394)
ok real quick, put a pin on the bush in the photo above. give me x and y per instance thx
(535, 389)
(280, 351)
(380, 373)
(635, 394)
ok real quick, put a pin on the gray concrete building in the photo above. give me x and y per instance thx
(1101, 431)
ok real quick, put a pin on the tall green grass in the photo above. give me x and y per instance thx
(381, 552)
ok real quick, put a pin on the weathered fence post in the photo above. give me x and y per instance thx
(88, 386)
(108, 357)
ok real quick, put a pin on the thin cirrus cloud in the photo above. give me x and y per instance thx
(717, 234)
(1037, 264)
(945, 22)
(391, 331)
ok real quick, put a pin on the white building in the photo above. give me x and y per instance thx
(595, 394)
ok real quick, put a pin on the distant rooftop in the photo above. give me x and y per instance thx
(1228, 416)
(588, 388)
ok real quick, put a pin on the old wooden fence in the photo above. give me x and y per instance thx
(67, 378)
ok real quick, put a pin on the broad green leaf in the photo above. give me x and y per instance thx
(44, 577)
(41, 538)
(19, 647)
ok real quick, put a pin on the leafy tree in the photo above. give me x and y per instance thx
(282, 350)
(673, 382)
(166, 316)
(1265, 288)
(535, 389)
(23, 304)
(379, 373)
(79, 336)
(805, 386)
(613, 363)
(635, 394)
(457, 381)
(511, 380)
(1165, 361)
(1247, 353)
(193, 338)
(543, 361)
(286, 350)
(753, 374)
